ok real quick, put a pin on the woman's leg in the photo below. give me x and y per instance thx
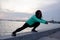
(35, 25)
(20, 29)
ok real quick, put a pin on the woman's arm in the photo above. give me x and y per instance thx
(40, 20)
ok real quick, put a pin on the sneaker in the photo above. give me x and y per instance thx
(34, 31)
(13, 34)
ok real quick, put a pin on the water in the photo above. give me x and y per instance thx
(7, 27)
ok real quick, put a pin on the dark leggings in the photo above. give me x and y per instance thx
(35, 25)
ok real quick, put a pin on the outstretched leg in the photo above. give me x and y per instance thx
(35, 25)
(19, 29)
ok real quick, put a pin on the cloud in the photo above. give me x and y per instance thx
(52, 12)
(2, 15)
(28, 6)
(14, 15)
(48, 7)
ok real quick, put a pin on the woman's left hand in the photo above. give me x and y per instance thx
(46, 23)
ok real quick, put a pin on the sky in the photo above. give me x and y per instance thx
(16, 9)
(25, 5)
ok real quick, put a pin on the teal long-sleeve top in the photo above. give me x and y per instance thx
(34, 19)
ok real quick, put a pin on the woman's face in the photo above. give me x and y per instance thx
(39, 14)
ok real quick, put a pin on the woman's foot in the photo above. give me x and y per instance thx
(13, 34)
(34, 31)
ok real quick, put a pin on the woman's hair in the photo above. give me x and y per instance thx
(38, 14)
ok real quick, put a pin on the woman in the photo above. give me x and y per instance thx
(34, 22)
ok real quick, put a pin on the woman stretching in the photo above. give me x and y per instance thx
(34, 22)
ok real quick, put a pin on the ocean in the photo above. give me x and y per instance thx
(7, 27)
